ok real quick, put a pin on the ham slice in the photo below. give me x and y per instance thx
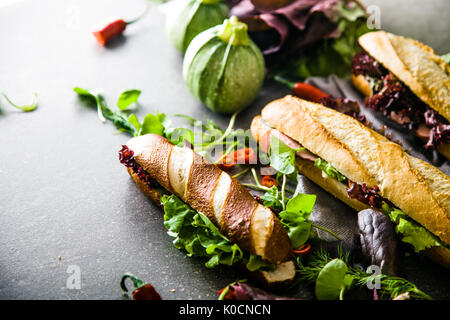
(265, 144)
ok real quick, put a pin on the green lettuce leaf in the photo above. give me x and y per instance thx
(295, 218)
(329, 170)
(282, 157)
(127, 98)
(272, 199)
(410, 231)
(198, 236)
(334, 55)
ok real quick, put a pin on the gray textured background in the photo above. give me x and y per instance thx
(63, 191)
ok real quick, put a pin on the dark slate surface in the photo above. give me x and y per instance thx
(65, 200)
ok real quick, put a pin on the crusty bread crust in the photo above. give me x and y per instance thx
(439, 255)
(153, 153)
(154, 160)
(444, 149)
(153, 194)
(415, 64)
(365, 156)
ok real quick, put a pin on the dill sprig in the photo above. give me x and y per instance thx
(391, 287)
(308, 269)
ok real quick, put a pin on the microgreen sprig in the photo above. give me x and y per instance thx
(26, 108)
(309, 268)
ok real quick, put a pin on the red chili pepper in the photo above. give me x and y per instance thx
(245, 156)
(302, 250)
(110, 31)
(116, 28)
(268, 181)
(142, 291)
(308, 92)
(225, 166)
(304, 90)
(240, 156)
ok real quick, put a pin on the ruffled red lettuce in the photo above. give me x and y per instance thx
(397, 102)
(304, 37)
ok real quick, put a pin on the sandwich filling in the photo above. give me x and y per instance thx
(126, 157)
(397, 102)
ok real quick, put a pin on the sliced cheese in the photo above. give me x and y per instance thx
(180, 163)
(220, 194)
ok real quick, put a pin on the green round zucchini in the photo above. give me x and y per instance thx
(224, 68)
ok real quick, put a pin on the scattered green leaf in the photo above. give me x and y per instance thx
(128, 98)
(330, 282)
(26, 108)
(196, 234)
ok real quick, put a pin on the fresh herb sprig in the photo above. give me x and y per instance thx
(198, 236)
(294, 212)
(210, 139)
(209, 134)
(25, 108)
(126, 121)
(336, 277)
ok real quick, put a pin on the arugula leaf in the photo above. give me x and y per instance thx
(152, 124)
(410, 231)
(295, 218)
(196, 234)
(329, 170)
(302, 203)
(178, 135)
(135, 122)
(282, 157)
(96, 97)
(273, 199)
(26, 108)
(124, 122)
(127, 98)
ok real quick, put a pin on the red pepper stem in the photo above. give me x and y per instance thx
(136, 282)
(284, 81)
(140, 16)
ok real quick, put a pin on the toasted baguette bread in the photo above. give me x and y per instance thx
(221, 198)
(415, 64)
(363, 156)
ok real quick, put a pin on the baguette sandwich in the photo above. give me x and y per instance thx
(408, 82)
(363, 169)
(158, 167)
